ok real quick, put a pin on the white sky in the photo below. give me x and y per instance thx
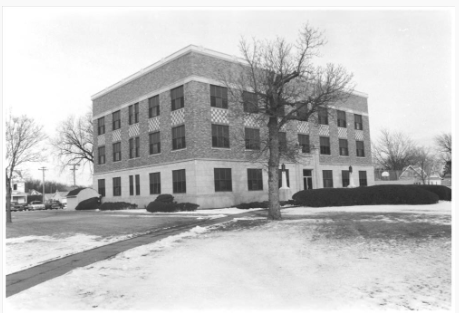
(55, 58)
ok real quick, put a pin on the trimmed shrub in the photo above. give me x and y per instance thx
(113, 206)
(384, 194)
(443, 192)
(158, 206)
(253, 205)
(88, 204)
(186, 206)
(166, 198)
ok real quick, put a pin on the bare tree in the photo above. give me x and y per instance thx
(74, 141)
(281, 85)
(22, 137)
(428, 162)
(394, 151)
(444, 146)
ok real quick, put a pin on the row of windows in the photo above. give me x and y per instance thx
(220, 139)
(219, 99)
(222, 181)
(343, 147)
(327, 176)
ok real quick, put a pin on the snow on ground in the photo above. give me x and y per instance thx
(229, 211)
(275, 265)
(28, 251)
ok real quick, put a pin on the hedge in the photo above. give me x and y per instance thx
(113, 206)
(443, 192)
(158, 206)
(88, 204)
(383, 194)
(253, 205)
(166, 198)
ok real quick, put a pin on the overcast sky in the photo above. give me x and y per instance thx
(54, 59)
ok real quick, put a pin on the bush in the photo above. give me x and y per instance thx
(253, 205)
(384, 194)
(88, 204)
(166, 198)
(443, 192)
(113, 206)
(158, 206)
(187, 206)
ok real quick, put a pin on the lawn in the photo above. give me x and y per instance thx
(344, 258)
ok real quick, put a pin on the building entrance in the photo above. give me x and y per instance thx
(307, 179)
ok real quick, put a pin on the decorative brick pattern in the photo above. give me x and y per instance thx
(101, 140)
(116, 135)
(219, 116)
(251, 120)
(178, 117)
(153, 124)
(134, 130)
(359, 135)
(302, 127)
(342, 132)
(324, 130)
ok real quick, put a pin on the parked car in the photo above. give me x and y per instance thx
(17, 206)
(35, 205)
(55, 205)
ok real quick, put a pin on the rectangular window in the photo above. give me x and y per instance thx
(218, 97)
(101, 187)
(282, 141)
(133, 114)
(324, 145)
(134, 145)
(15, 186)
(220, 136)
(117, 151)
(343, 148)
(255, 179)
(303, 141)
(342, 119)
(252, 139)
(116, 186)
(363, 178)
(328, 179)
(345, 178)
(222, 179)
(101, 126)
(178, 181)
(101, 155)
(250, 102)
(358, 121)
(323, 116)
(279, 173)
(360, 149)
(116, 116)
(155, 143)
(137, 185)
(131, 185)
(178, 137)
(153, 106)
(177, 99)
(155, 183)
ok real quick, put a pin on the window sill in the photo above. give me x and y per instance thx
(154, 154)
(117, 161)
(133, 123)
(223, 191)
(178, 150)
(218, 148)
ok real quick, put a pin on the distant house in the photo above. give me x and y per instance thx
(60, 196)
(80, 194)
(414, 173)
(33, 192)
(18, 193)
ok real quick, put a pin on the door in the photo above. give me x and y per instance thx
(307, 179)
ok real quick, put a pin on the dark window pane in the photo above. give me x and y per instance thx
(324, 145)
(178, 137)
(250, 102)
(252, 139)
(220, 136)
(327, 178)
(222, 179)
(101, 187)
(323, 116)
(255, 179)
(303, 141)
(178, 181)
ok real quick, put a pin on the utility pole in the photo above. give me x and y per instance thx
(74, 172)
(43, 169)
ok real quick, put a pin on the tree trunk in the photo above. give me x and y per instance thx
(273, 169)
(8, 200)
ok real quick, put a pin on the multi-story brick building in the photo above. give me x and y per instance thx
(170, 129)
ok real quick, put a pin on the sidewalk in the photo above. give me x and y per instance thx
(19, 281)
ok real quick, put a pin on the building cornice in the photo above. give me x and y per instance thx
(176, 55)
